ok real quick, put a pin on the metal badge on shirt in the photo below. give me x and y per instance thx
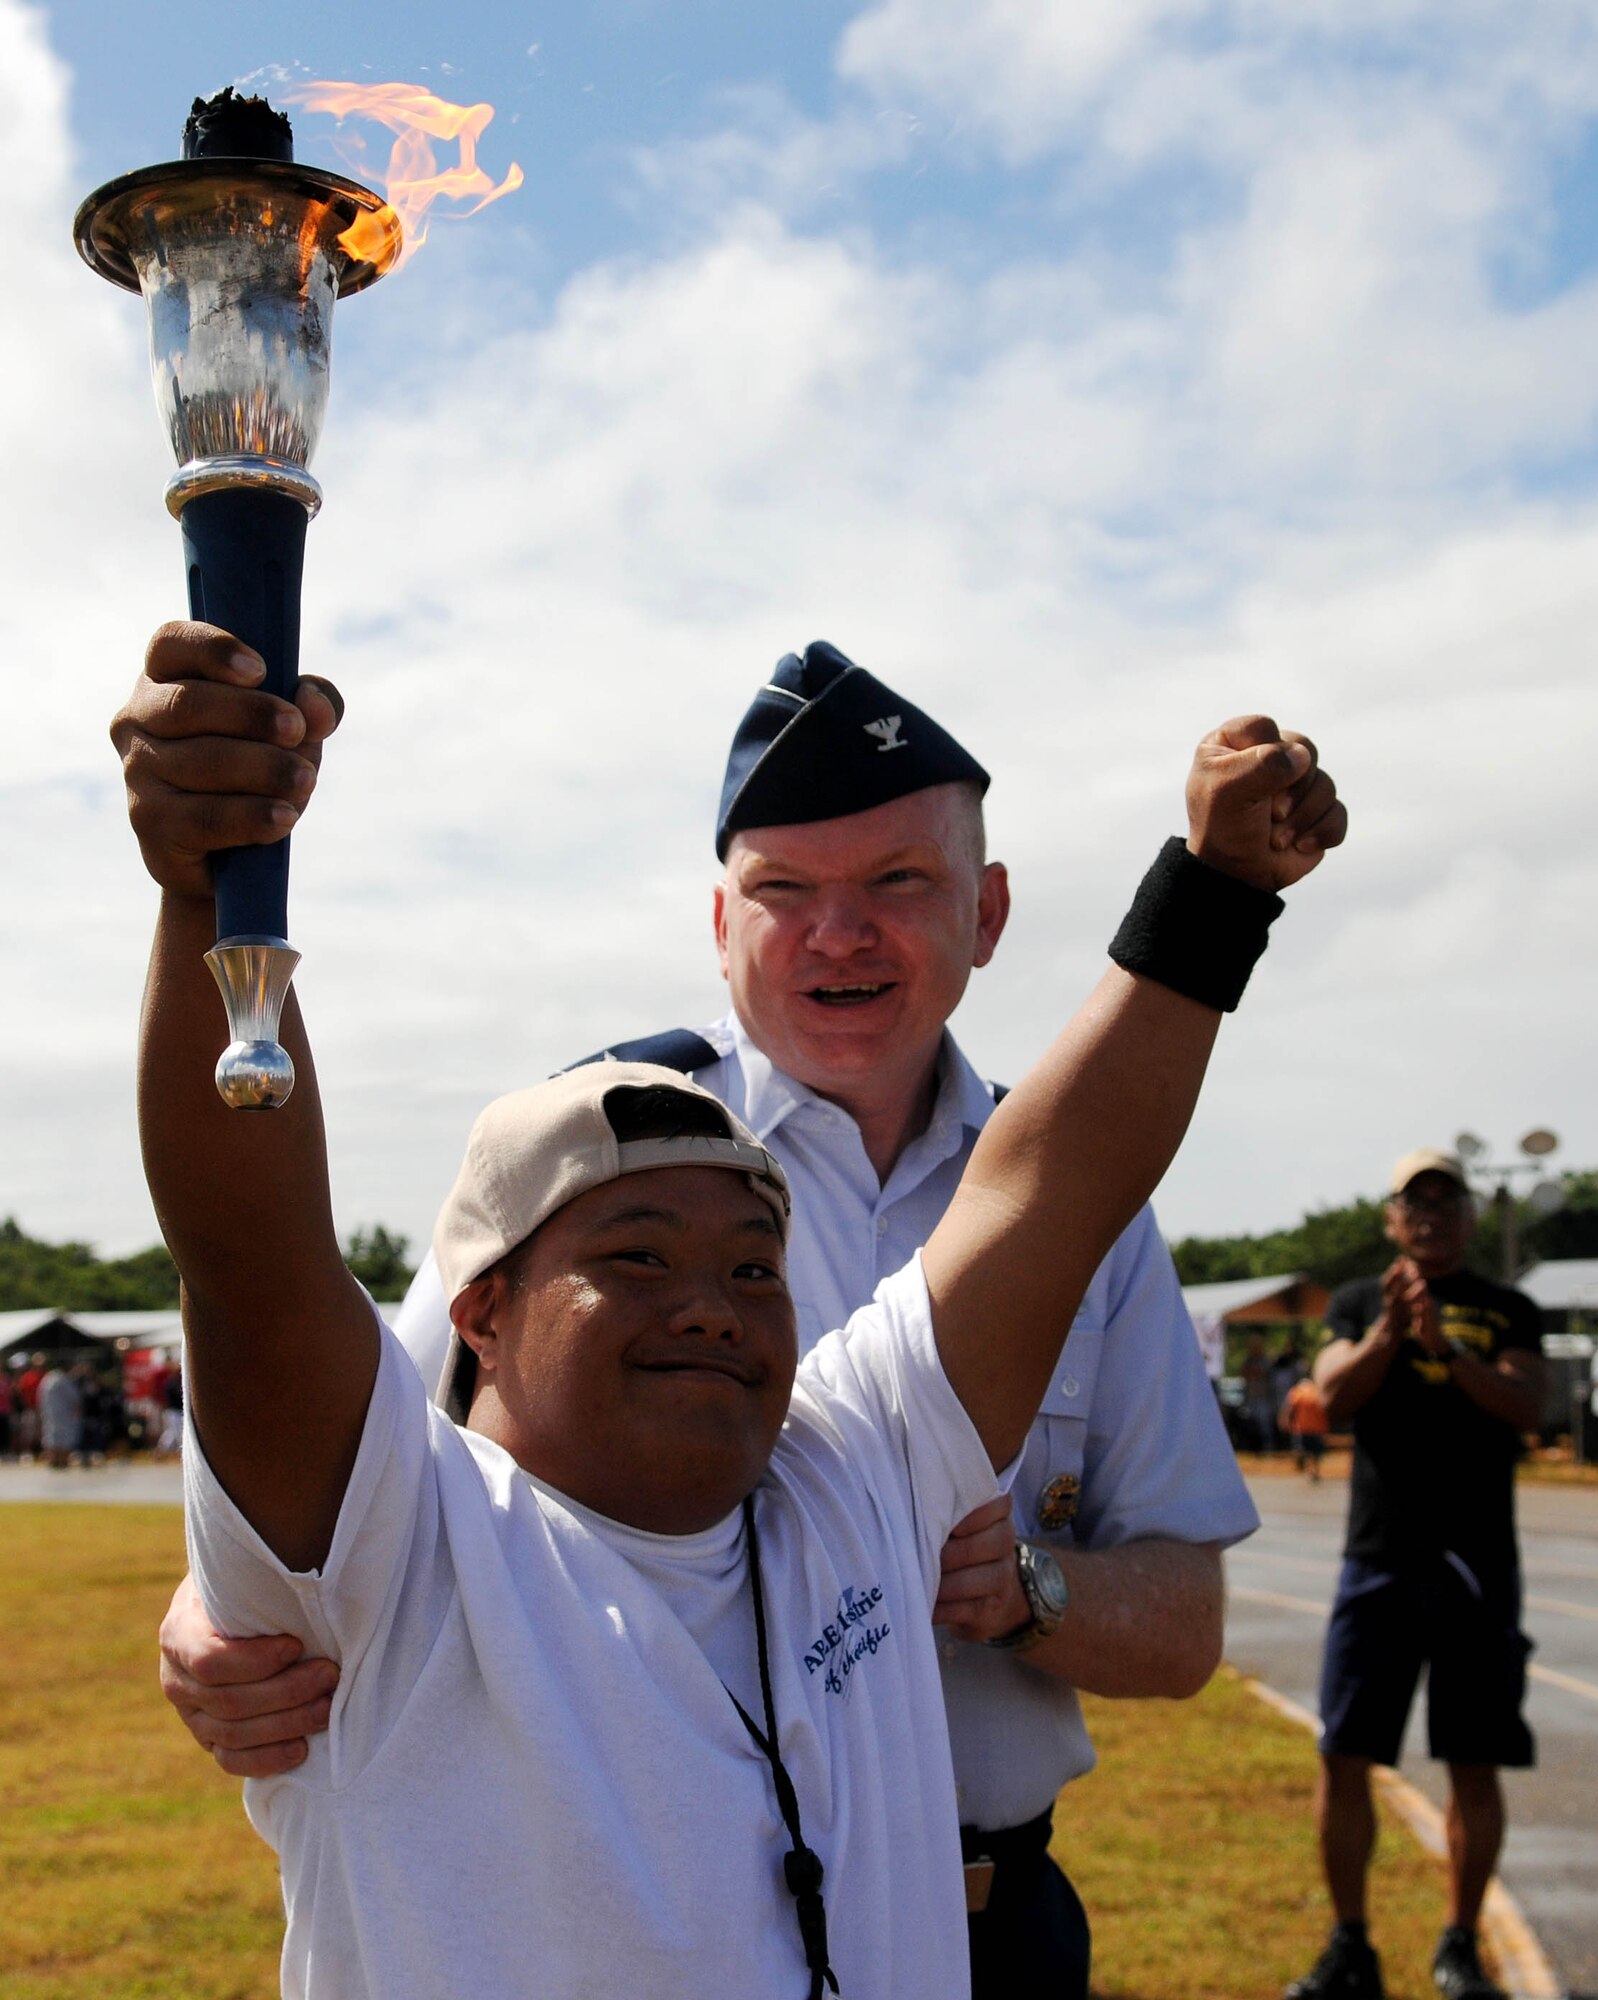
(1058, 1502)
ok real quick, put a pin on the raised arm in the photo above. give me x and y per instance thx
(1081, 1142)
(281, 1344)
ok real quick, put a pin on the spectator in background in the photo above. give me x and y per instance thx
(27, 1417)
(114, 1413)
(169, 1439)
(1286, 1369)
(60, 1408)
(1303, 1417)
(92, 1430)
(1440, 1372)
(8, 1404)
(1259, 1401)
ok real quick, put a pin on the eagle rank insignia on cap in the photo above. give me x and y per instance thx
(1057, 1503)
(823, 739)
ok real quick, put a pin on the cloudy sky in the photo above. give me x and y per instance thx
(1091, 373)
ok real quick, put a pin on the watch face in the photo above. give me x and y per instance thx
(1049, 1592)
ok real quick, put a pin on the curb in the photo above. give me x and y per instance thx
(1522, 1963)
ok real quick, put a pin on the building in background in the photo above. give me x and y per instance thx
(1567, 1291)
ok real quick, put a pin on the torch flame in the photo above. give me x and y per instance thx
(413, 180)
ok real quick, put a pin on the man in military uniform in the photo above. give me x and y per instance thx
(1440, 1371)
(856, 899)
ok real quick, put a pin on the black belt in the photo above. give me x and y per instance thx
(984, 1851)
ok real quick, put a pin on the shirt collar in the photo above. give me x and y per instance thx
(771, 1095)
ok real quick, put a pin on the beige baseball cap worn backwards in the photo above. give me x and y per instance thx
(532, 1152)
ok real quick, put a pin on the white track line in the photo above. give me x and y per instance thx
(1563, 1606)
(1535, 1601)
(1328, 1567)
(1568, 1682)
(1549, 1675)
(1252, 1596)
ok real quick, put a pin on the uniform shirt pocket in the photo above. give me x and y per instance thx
(1070, 1390)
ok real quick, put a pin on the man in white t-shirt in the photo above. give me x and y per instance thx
(857, 896)
(540, 1757)
(635, 1383)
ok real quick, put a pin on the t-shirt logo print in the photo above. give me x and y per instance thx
(887, 727)
(848, 1637)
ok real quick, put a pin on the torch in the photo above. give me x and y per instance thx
(240, 253)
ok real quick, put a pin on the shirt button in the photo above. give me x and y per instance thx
(949, 1649)
(882, 1225)
(1070, 1386)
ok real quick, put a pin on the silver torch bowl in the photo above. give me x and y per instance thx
(240, 253)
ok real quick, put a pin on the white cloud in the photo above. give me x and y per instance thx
(1213, 78)
(1016, 70)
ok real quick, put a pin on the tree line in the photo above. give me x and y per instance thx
(69, 1277)
(1336, 1244)
(1332, 1246)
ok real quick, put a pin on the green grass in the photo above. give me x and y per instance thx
(129, 1870)
(1193, 1847)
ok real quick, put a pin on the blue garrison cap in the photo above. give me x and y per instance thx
(823, 739)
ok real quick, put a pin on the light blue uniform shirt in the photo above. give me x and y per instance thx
(1129, 1417)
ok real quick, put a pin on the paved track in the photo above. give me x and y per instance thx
(1281, 1584)
(125, 1483)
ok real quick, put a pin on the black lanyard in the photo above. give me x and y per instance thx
(801, 1866)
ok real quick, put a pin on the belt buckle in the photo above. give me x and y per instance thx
(978, 1884)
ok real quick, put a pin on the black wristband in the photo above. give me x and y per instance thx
(1195, 929)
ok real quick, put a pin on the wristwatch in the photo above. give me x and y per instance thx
(1047, 1595)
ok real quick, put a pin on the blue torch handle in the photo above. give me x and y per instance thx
(245, 553)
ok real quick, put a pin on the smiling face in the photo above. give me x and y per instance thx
(848, 943)
(637, 1352)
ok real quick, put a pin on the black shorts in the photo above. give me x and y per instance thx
(1385, 1625)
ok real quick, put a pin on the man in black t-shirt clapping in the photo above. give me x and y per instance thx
(1439, 1371)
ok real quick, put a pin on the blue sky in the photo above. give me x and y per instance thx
(1090, 373)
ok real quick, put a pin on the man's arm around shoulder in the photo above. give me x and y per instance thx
(1145, 1618)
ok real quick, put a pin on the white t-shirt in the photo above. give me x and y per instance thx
(1129, 1441)
(534, 1782)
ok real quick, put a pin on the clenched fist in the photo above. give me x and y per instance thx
(1258, 804)
(210, 761)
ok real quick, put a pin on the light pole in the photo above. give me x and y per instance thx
(1544, 1198)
